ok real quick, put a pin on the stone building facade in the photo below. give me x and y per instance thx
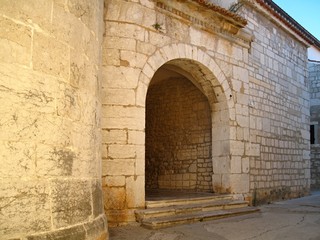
(148, 94)
(314, 78)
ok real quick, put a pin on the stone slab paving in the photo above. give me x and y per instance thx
(296, 219)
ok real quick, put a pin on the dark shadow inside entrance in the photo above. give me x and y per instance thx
(178, 136)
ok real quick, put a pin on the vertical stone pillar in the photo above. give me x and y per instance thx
(50, 132)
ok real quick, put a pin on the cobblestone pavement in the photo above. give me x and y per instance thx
(297, 219)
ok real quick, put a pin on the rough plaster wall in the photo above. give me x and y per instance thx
(279, 112)
(178, 137)
(314, 80)
(49, 141)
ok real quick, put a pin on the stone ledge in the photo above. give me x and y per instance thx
(96, 229)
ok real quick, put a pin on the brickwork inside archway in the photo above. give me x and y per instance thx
(178, 137)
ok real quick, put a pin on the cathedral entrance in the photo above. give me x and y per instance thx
(178, 134)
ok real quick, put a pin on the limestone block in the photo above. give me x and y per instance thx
(50, 56)
(221, 165)
(110, 56)
(71, 202)
(15, 42)
(223, 47)
(236, 164)
(237, 53)
(156, 60)
(114, 197)
(245, 165)
(112, 10)
(239, 183)
(237, 148)
(168, 52)
(73, 233)
(242, 110)
(243, 121)
(140, 166)
(97, 229)
(133, 59)
(83, 73)
(202, 39)
(135, 191)
(221, 148)
(115, 181)
(118, 96)
(177, 29)
(115, 167)
(220, 132)
(25, 207)
(120, 43)
(125, 30)
(252, 149)
(86, 12)
(159, 40)
(114, 136)
(17, 159)
(28, 12)
(242, 99)
(36, 95)
(240, 73)
(147, 3)
(131, 12)
(68, 102)
(97, 200)
(306, 154)
(141, 93)
(120, 77)
(34, 127)
(145, 48)
(136, 137)
(122, 151)
(67, 27)
(217, 183)
(77, 69)
(120, 216)
(233, 133)
(54, 161)
(87, 162)
(123, 123)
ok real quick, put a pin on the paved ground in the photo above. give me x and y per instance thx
(297, 219)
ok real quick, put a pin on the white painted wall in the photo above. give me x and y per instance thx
(223, 3)
(313, 54)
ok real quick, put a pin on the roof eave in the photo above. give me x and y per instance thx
(289, 22)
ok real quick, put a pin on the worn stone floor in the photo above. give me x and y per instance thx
(297, 219)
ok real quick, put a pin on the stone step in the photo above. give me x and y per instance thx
(167, 221)
(191, 207)
(186, 201)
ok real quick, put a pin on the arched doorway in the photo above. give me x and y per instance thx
(178, 133)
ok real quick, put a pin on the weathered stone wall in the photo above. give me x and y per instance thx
(314, 78)
(141, 36)
(178, 137)
(279, 111)
(50, 170)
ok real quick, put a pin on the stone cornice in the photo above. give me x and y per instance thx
(210, 18)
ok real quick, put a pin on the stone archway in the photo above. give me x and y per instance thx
(125, 158)
(178, 134)
(206, 76)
